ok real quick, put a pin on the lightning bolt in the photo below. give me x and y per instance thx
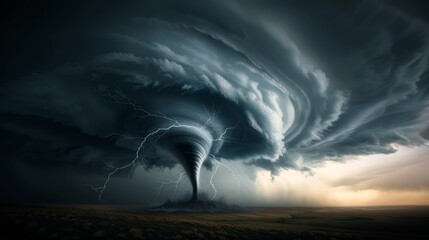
(169, 182)
(222, 135)
(231, 169)
(101, 189)
(211, 180)
(127, 101)
(159, 132)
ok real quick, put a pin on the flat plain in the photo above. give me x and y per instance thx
(113, 222)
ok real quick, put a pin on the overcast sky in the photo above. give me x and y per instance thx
(272, 103)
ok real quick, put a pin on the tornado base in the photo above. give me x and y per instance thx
(195, 205)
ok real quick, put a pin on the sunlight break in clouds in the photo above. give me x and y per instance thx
(393, 179)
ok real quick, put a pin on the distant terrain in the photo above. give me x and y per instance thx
(111, 222)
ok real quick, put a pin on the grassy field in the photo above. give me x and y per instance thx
(109, 222)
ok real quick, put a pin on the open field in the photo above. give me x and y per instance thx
(109, 222)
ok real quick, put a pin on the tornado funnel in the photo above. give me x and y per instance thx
(190, 146)
(191, 159)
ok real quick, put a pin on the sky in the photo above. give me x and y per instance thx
(256, 103)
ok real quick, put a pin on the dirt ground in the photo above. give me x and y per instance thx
(110, 222)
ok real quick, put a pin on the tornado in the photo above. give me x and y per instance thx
(190, 146)
(165, 83)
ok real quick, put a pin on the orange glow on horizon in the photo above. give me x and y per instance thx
(393, 179)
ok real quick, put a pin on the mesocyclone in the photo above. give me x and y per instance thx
(231, 85)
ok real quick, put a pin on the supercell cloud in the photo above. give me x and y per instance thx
(285, 86)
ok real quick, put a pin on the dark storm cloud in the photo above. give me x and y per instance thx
(293, 83)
